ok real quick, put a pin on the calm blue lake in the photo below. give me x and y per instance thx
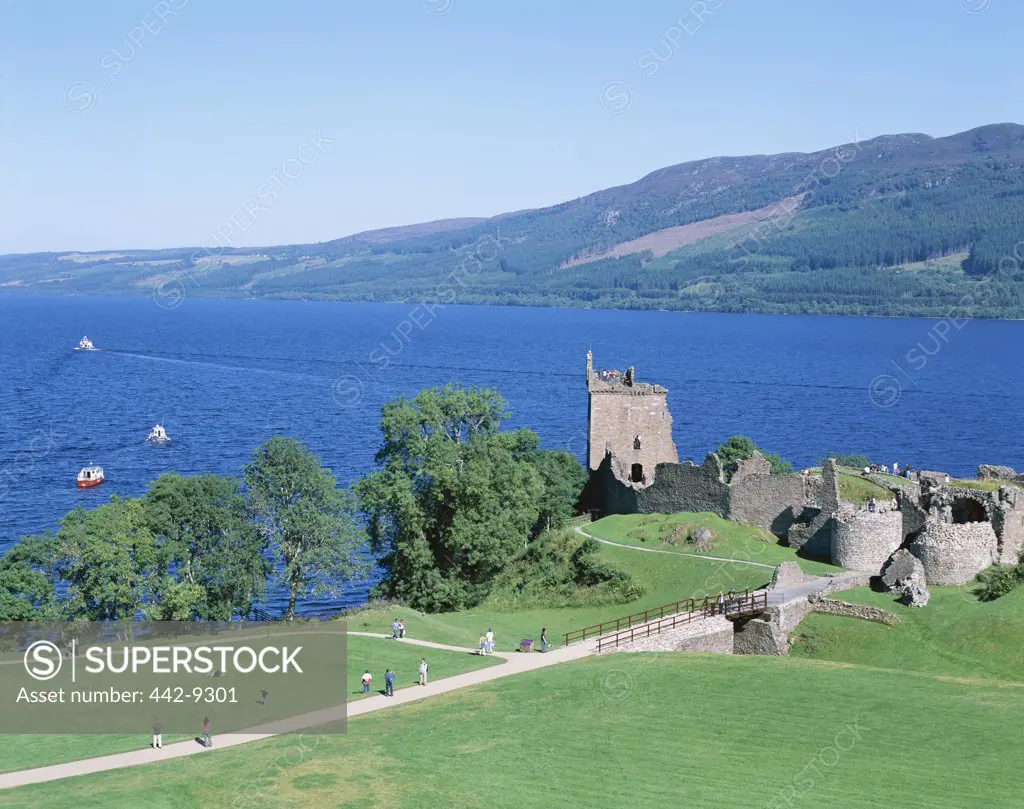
(222, 376)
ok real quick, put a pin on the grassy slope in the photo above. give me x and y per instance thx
(620, 731)
(954, 635)
(665, 579)
(21, 752)
(733, 540)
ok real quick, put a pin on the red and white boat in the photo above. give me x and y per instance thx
(90, 476)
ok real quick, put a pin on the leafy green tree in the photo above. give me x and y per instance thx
(306, 520)
(26, 591)
(217, 555)
(109, 559)
(739, 448)
(564, 478)
(454, 499)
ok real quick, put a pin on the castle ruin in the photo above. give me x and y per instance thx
(954, 531)
(629, 422)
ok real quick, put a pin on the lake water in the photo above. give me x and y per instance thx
(222, 376)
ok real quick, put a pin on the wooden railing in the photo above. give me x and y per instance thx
(687, 605)
(749, 604)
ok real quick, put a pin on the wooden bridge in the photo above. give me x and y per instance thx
(668, 616)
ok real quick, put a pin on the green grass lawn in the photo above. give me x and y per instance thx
(733, 540)
(696, 731)
(954, 635)
(665, 579)
(22, 752)
(988, 485)
(856, 489)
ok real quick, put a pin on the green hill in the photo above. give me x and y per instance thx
(900, 224)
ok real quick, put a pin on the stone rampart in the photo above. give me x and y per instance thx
(864, 540)
(954, 553)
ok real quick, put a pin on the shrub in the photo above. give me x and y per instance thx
(998, 580)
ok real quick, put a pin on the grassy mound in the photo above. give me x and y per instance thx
(664, 579)
(622, 731)
(23, 752)
(733, 540)
(955, 635)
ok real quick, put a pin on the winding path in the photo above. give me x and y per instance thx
(579, 530)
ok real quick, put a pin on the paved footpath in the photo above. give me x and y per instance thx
(513, 663)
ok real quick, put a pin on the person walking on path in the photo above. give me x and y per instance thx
(490, 640)
(389, 683)
(367, 679)
(207, 735)
(483, 644)
(158, 738)
(394, 629)
(544, 639)
(423, 671)
(401, 628)
(264, 694)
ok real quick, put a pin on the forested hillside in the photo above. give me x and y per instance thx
(900, 224)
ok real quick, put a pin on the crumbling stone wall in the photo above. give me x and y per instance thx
(954, 554)
(1008, 523)
(863, 540)
(686, 487)
(862, 612)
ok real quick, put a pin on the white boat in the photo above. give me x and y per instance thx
(85, 344)
(158, 435)
(90, 476)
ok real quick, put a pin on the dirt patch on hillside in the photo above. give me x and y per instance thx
(665, 241)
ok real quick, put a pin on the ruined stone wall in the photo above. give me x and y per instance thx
(772, 501)
(1008, 523)
(863, 540)
(686, 487)
(954, 553)
(862, 612)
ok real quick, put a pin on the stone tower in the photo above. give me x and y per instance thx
(630, 421)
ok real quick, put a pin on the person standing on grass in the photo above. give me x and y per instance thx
(367, 679)
(490, 640)
(544, 639)
(264, 694)
(423, 671)
(158, 738)
(207, 735)
(394, 629)
(401, 628)
(389, 683)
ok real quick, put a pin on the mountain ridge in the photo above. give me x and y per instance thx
(866, 211)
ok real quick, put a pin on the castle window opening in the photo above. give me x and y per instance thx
(966, 509)
(636, 473)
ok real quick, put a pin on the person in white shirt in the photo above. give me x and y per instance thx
(367, 679)
(423, 671)
(490, 641)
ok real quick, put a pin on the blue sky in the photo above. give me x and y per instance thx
(136, 123)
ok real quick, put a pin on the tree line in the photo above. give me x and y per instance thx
(452, 501)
